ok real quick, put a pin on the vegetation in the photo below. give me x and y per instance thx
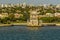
(25, 11)
(50, 19)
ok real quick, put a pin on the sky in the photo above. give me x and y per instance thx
(35, 2)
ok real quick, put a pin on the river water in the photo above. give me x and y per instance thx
(30, 33)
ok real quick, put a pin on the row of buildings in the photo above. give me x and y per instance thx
(2, 15)
(50, 15)
(16, 15)
(12, 5)
(24, 4)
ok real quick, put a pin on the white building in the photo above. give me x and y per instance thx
(57, 14)
(12, 5)
(45, 5)
(2, 5)
(58, 6)
(23, 5)
(17, 4)
(6, 5)
(49, 14)
(3, 15)
(30, 5)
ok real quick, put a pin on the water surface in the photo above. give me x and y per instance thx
(30, 33)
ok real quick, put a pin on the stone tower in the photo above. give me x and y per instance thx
(33, 20)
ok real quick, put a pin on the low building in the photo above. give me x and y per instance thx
(3, 15)
(5, 5)
(49, 14)
(24, 5)
(18, 15)
(57, 14)
(2, 5)
(58, 6)
(18, 11)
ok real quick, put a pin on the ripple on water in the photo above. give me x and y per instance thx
(24, 33)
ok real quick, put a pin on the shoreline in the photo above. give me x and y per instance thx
(13, 24)
(19, 24)
(51, 24)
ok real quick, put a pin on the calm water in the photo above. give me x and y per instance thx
(28, 33)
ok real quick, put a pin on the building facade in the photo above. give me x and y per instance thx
(33, 21)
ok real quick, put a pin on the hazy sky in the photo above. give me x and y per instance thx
(36, 2)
